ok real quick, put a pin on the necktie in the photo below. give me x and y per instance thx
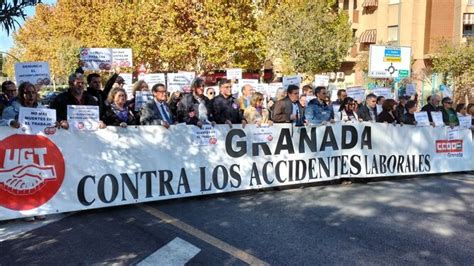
(167, 118)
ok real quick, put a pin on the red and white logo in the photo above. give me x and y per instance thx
(449, 146)
(31, 173)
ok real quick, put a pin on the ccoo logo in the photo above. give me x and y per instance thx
(31, 171)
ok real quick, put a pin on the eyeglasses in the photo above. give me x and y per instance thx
(161, 91)
(449, 102)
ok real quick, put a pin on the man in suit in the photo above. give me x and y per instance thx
(289, 109)
(368, 111)
(156, 111)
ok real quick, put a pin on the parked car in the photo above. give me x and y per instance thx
(49, 97)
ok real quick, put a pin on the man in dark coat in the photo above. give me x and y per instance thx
(368, 111)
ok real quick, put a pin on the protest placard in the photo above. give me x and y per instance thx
(356, 93)
(262, 134)
(122, 57)
(385, 92)
(234, 73)
(291, 80)
(411, 89)
(437, 118)
(96, 58)
(142, 97)
(422, 119)
(153, 78)
(36, 73)
(272, 89)
(205, 136)
(465, 121)
(83, 117)
(180, 81)
(37, 120)
(321, 80)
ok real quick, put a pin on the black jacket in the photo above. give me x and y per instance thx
(188, 104)
(64, 99)
(408, 119)
(226, 109)
(385, 116)
(364, 113)
(430, 108)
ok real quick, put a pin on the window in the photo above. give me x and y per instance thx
(392, 2)
(392, 34)
(355, 4)
(345, 5)
(468, 31)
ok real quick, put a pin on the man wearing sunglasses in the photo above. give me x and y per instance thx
(318, 112)
(450, 117)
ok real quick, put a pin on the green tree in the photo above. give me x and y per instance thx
(456, 63)
(313, 35)
(197, 35)
(12, 11)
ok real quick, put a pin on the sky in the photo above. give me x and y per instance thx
(6, 42)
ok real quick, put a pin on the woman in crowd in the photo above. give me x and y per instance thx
(388, 112)
(461, 109)
(27, 97)
(117, 113)
(409, 116)
(347, 110)
(173, 101)
(140, 85)
(256, 113)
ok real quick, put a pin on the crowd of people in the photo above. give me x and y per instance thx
(201, 105)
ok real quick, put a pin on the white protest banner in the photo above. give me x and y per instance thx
(262, 134)
(164, 164)
(385, 92)
(411, 89)
(153, 78)
(437, 119)
(128, 86)
(83, 117)
(122, 57)
(422, 119)
(204, 136)
(141, 98)
(96, 58)
(389, 62)
(321, 80)
(36, 73)
(251, 82)
(356, 93)
(465, 121)
(37, 120)
(180, 81)
(291, 80)
(234, 73)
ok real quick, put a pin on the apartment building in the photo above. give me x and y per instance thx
(420, 24)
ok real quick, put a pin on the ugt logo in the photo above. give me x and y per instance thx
(31, 171)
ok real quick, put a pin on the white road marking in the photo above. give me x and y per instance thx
(229, 249)
(11, 229)
(177, 252)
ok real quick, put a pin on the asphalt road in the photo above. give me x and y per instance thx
(423, 220)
